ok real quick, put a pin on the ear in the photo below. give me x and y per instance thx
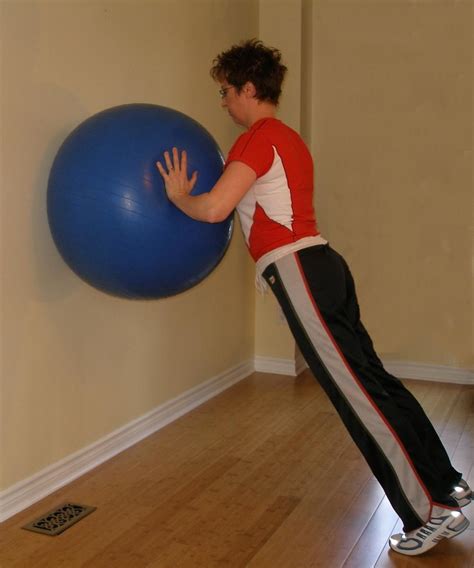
(249, 89)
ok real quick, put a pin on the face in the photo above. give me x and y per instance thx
(235, 103)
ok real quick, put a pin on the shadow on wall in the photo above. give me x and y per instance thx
(53, 278)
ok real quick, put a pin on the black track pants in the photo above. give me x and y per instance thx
(317, 294)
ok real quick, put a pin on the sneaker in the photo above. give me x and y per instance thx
(462, 493)
(446, 523)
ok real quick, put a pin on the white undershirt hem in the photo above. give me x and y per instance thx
(280, 252)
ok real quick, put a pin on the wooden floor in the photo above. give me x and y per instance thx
(264, 476)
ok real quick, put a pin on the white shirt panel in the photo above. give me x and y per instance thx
(272, 193)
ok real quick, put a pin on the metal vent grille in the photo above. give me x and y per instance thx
(58, 520)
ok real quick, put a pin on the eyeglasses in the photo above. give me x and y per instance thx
(223, 91)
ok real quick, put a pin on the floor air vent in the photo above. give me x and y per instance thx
(58, 520)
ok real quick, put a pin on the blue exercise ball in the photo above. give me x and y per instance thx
(108, 211)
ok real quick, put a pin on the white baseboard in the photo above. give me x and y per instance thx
(401, 369)
(275, 366)
(29, 491)
(428, 372)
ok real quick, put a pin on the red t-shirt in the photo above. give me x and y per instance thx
(278, 209)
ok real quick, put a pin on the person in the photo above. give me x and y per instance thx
(268, 178)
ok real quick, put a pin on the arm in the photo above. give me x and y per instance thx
(217, 204)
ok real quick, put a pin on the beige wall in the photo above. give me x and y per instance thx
(392, 139)
(77, 364)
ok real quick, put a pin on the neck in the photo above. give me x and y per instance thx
(261, 110)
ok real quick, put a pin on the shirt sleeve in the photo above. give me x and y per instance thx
(254, 150)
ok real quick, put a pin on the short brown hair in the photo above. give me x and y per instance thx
(252, 61)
